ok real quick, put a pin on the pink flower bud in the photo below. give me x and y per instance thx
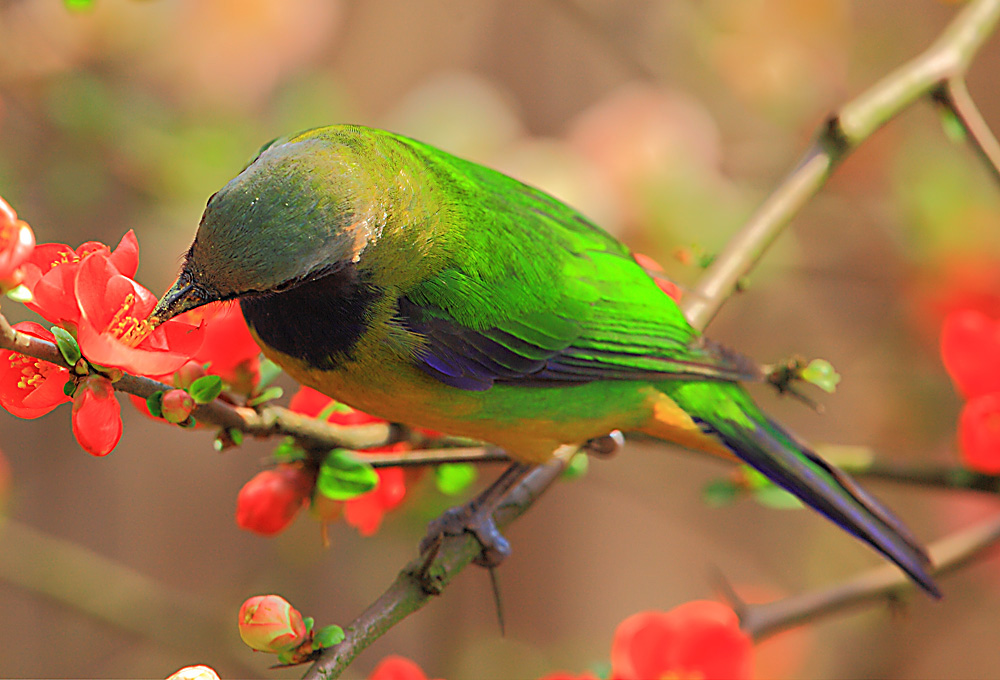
(97, 422)
(268, 623)
(269, 502)
(176, 406)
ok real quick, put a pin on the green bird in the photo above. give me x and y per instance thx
(432, 291)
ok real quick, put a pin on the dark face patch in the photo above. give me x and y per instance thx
(319, 321)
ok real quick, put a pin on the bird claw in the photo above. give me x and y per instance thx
(476, 521)
(607, 445)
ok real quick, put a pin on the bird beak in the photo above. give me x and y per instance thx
(180, 298)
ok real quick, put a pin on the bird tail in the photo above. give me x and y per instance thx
(729, 413)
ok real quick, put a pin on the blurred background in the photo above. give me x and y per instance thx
(667, 122)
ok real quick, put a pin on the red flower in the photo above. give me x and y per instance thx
(970, 349)
(268, 503)
(365, 512)
(269, 623)
(50, 275)
(112, 327)
(397, 668)
(16, 243)
(979, 433)
(97, 422)
(30, 387)
(700, 639)
(228, 347)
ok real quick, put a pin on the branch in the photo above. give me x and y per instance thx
(944, 62)
(421, 579)
(267, 421)
(881, 584)
(954, 97)
(421, 457)
(949, 477)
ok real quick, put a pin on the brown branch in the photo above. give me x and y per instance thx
(954, 96)
(955, 478)
(423, 578)
(883, 584)
(266, 421)
(421, 457)
(942, 65)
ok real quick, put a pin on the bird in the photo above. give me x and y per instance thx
(433, 291)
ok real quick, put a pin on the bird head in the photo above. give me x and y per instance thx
(289, 217)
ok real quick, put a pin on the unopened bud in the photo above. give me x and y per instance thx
(176, 406)
(269, 623)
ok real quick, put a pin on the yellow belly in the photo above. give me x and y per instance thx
(530, 423)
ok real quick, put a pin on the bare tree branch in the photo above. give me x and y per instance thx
(880, 585)
(954, 96)
(427, 576)
(944, 62)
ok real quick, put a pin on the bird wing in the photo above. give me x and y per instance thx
(537, 294)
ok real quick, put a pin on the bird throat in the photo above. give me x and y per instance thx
(319, 321)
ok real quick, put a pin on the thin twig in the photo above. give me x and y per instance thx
(945, 61)
(881, 584)
(955, 97)
(949, 477)
(422, 457)
(420, 580)
(265, 421)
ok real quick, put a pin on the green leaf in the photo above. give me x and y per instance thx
(236, 435)
(343, 477)
(20, 294)
(309, 623)
(328, 636)
(577, 467)
(719, 493)
(273, 392)
(268, 372)
(821, 373)
(772, 496)
(79, 5)
(331, 408)
(154, 403)
(953, 127)
(67, 344)
(206, 389)
(288, 451)
(754, 479)
(69, 389)
(454, 478)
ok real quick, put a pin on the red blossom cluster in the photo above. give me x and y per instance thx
(970, 349)
(698, 640)
(270, 501)
(100, 314)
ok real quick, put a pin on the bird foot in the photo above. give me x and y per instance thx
(605, 446)
(475, 520)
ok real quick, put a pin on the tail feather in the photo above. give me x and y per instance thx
(730, 414)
